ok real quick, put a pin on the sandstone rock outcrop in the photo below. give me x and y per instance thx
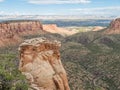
(40, 63)
(53, 28)
(20, 27)
(114, 27)
(98, 28)
(11, 31)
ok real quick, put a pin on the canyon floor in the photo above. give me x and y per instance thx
(91, 59)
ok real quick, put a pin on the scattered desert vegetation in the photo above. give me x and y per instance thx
(91, 59)
(84, 28)
(10, 77)
(80, 29)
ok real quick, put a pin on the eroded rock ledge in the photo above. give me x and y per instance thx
(40, 63)
(11, 31)
(114, 27)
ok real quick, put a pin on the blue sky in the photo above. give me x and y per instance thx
(60, 7)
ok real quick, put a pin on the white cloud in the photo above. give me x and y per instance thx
(14, 13)
(58, 1)
(98, 11)
(1, 0)
(2, 12)
(94, 9)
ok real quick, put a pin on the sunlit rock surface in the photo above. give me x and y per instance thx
(41, 64)
(10, 31)
(114, 27)
(53, 28)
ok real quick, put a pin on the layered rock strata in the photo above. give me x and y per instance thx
(20, 27)
(41, 64)
(11, 31)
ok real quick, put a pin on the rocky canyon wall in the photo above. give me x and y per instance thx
(20, 27)
(11, 31)
(41, 64)
(114, 27)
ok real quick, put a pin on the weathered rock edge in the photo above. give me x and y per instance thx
(41, 64)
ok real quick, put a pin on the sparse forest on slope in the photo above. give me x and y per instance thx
(94, 61)
(91, 59)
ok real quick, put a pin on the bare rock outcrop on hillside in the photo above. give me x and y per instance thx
(41, 64)
(20, 27)
(98, 28)
(11, 31)
(114, 27)
(53, 28)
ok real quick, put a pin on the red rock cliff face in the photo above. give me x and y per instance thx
(41, 64)
(114, 27)
(20, 27)
(10, 32)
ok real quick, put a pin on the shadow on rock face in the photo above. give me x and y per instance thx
(40, 63)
